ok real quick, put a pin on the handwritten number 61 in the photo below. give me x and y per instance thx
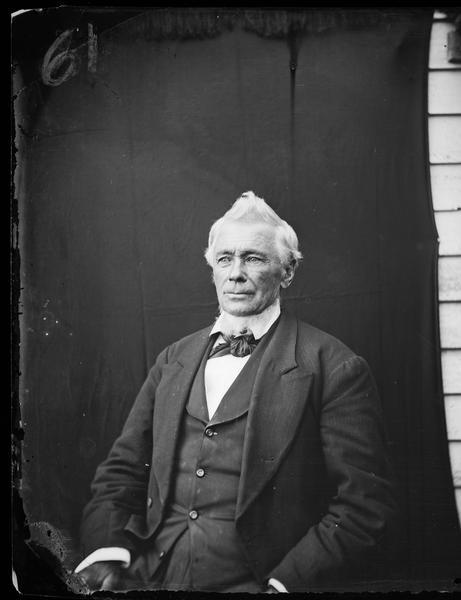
(61, 62)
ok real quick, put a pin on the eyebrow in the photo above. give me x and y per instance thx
(244, 253)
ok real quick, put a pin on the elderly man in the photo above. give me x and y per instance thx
(254, 456)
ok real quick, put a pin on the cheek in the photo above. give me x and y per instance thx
(269, 283)
(218, 278)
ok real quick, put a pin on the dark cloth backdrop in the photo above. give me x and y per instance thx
(123, 171)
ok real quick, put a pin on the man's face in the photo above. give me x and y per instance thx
(247, 270)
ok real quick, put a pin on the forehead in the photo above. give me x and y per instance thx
(240, 236)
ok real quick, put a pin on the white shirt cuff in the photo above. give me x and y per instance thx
(275, 583)
(101, 554)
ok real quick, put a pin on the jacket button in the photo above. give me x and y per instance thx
(193, 514)
(200, 472)
(149, 502)
(209, 432)
(162, 554)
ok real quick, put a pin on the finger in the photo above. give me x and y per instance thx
(83, 581)
(87, 576)
(109, 582)
(94, 576)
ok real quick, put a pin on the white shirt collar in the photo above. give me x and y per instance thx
(257, 324)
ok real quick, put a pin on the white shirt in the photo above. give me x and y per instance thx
(220, 373)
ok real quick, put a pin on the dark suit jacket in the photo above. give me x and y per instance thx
(315, 495)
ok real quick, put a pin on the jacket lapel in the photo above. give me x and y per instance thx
(277, 404)
(170, 400)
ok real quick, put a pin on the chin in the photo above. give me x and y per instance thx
(238, 311)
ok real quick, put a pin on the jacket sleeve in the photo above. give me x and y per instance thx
(119, 486)
(358, 471)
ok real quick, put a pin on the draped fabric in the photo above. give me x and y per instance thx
(124, 167)
(193, 23)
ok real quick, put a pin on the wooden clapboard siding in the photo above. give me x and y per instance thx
(444, 134)
(445, 138)
(446, 184)
(449, 278)
(450, 325)
(455, 456)
(438, 45)
(453, 414)
(450, 101)
(451, 371)
(449, 229)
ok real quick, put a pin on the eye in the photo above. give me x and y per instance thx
(254, 259)
(223, 260)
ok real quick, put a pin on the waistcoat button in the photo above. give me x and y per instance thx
(200, 472)
(193, 514)
(149, 502)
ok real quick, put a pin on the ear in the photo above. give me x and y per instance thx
(288, 274)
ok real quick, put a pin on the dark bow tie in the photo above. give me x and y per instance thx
(237, 345)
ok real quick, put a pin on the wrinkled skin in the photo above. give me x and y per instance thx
(247, 269)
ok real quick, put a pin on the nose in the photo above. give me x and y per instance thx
(237, 272)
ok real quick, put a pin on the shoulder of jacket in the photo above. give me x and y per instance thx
(320, 349)
(184, 344)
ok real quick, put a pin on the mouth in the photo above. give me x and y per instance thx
(237, 294)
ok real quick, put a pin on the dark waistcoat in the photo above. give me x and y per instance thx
(197, 546)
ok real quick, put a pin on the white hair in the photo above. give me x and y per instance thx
(252, 209)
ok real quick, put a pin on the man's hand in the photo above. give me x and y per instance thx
(104, 575)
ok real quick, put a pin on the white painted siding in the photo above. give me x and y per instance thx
(449, 278)
(449, 229)
(448, 103)
(450, 324)
(453, 412)
(451, 371)
(444, 108)
(438, 47)
(445, 138)
(446, 184)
